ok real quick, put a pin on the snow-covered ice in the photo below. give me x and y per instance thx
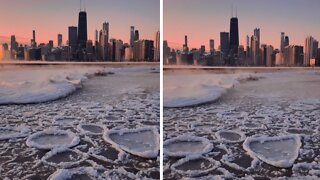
(279, 151)
(186, 145)
(142, 142)
(51, 138)
(69, 131)
(280, 107)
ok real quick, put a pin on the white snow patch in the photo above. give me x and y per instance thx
(143, 142)
(279, 151)
(50, 139)
(186, 145)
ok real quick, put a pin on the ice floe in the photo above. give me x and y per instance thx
(64, 157)
(50, 139)
(186, 145)
(281, 151)
(230, 136)
(195, 165)
(143, 142)
(13, 132)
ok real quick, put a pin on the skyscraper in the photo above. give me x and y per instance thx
(132, 35)
(59, 39)
(157, 47)
(211, 46)
(234, 35)
(185, 46)
(33, 40)
(72, 38)
(224, 44)
(82, 30)
(282, 42)
(256, 33)
(104, 41)
(310, 43)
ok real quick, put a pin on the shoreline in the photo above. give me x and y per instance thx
(3, 63)
(230, 69)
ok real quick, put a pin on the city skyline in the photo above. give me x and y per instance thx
(120, 16)
(194, 18)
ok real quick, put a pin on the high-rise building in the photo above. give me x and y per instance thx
(202, 49)
(293, 55)
(104, 42)
(96, 44)
(82, 30)
(132, 35)
(256, 33)
(224, 44)
(185, 46)
(248, 47)
(310, 43)
(282, 42)
(59, 39)
(136, 35)
(254, 51)
(234, 35)
(211, 42)
(157, 47)
(72, 39)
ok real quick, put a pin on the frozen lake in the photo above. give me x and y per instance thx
(260, 123)
(77, 121)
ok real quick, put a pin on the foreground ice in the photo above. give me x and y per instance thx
(195, 165)
(87, 173)
(186, 145)
(142, 142)
(37, 85)
(279, 151)
(199, 88)
(13, 132)
(50, 139)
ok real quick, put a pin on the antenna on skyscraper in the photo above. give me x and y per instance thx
(80, 4)
(236, 11)
(84, 5)
(232, 10)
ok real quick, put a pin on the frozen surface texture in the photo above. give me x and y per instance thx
(267, 127)
(63, 139)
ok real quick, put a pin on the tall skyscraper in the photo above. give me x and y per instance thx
(282, 42)
(224, 44)
(234, 35)
(256, 33)
(185, 46)
(310, 43)
(136, 35)
(59, 39)
(132, 35)
(254, 51)
(104, 41)
(72, 39)
(211, 42)
(157, 47)
(33, 40)
(96, 44)
(82, 29)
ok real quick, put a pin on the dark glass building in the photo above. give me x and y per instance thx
(82, 30)
(234, 35)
